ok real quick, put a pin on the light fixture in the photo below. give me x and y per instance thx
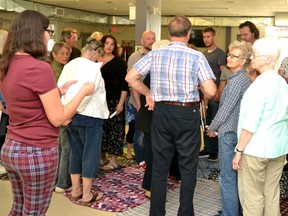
(132, 11)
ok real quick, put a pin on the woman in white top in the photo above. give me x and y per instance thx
(85, 129)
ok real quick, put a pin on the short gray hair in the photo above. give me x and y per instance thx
(92, 45)
(245, 48)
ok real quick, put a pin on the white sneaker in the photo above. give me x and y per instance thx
(2, 170)
(62, 190)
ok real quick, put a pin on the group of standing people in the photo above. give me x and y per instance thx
(251, 125)
(30, 152)
(169, 80)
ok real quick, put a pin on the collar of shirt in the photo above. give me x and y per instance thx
(178, 43)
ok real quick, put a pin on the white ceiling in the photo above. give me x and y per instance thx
(249, 8)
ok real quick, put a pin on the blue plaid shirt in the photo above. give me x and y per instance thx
(226, 119)
(176, 71)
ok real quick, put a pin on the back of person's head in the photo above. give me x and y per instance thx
(67, 33)
(160, 44)
(92, 44)
(245, 48)
(57, 47)
(3, 37)
(209, 29)
(252, 27)
(26, 34)
(179, 26)
(267, 46)
(97, 35)
(115, 50)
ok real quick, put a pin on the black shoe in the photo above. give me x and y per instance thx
(213, 157)
(285, 168)
(219, 213)
(204, 153)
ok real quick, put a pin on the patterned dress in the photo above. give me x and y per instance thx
(113, 73)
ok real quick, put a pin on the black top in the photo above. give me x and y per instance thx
(143, 117)
(75, 53)
(113, 73)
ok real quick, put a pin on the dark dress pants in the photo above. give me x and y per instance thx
(146, 183)
(174, 128)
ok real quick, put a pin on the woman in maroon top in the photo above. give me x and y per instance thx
(30, 152)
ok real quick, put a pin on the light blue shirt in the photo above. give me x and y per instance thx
(176, 71)
(264, 112)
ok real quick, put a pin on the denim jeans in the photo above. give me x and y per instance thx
(228, 176)
(138, 146)
(85, 136)
(63, 177)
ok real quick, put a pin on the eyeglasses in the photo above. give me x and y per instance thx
(255, 56)
(50, 32)
(232, 56)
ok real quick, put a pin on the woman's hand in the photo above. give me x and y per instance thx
(64, 88)
(236, 162)
(88, 88)
(119, 108)
(2, 108)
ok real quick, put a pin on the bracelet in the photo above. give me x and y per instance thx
(239, 150)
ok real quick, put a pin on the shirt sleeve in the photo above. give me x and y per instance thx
(233, 93)
(204, 70)
(252, 107)
(42, 78)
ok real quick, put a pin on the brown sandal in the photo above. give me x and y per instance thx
(110, 166)
(95, 197)
(71, 198)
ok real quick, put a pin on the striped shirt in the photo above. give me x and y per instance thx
(176, 71)
(226, 119)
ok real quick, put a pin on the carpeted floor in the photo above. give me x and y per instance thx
(122, 189)
(206, 201)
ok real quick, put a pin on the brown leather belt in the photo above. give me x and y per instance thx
(185, 104)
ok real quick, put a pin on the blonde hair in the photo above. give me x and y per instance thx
(160, 44)
(97, 35)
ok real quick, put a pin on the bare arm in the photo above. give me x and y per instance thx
(56, 113)
(209, 88)
(3, 109)
(244, 139)
(120, 105)
(136, 97)
(136, 83)
(64, 88)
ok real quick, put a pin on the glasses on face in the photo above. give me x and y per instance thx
(232, 56)
(255, 55)
(50, 32)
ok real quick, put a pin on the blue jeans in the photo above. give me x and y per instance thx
(63, 177)
(228, 176)
(85, 136)
(138, 146)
